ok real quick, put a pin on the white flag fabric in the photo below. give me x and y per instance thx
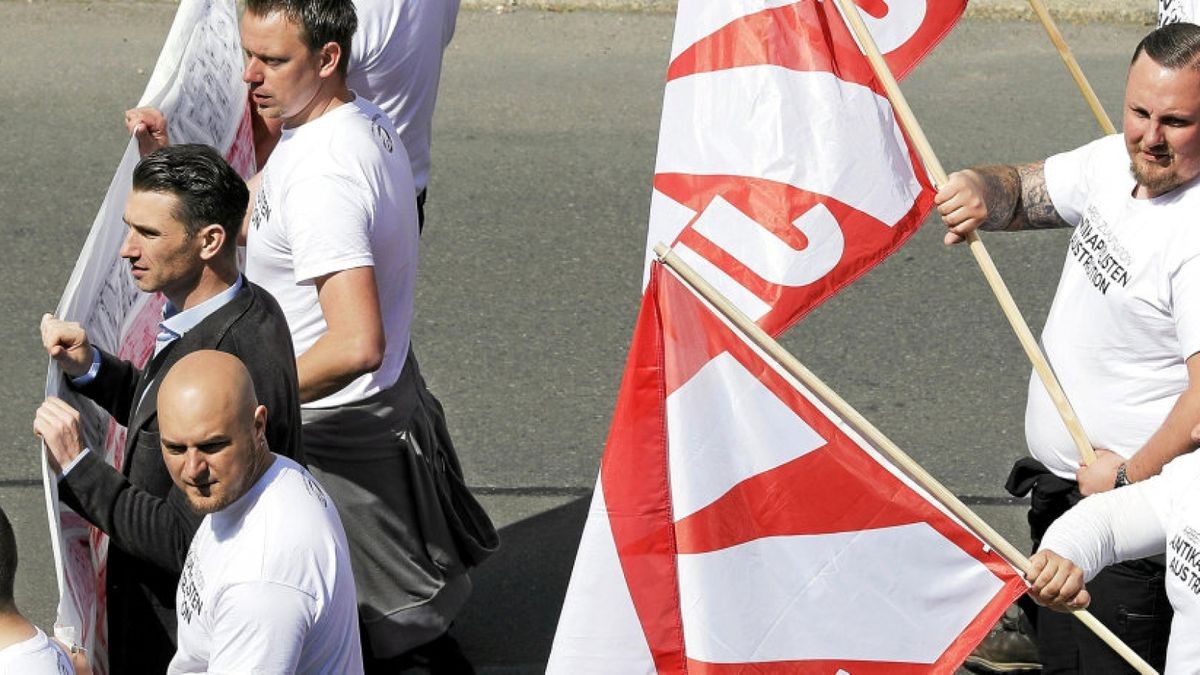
(197, 83)
(782, 174)
(740, 526)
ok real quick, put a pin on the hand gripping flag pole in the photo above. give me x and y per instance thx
(912, 128)
(1064, 51)
(897, 456)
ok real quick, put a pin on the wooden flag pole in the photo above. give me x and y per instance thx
(1064, 51)
(897, 456)
(908, 122)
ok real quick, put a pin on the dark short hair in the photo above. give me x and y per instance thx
(8, 560)
(206, 188)
(320, 21)
(1175, 46)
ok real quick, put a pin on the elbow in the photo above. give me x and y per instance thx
(367, 355)
(370, 363)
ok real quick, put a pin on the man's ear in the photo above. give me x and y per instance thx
(260, 425)
(212, 240)
(331, 56)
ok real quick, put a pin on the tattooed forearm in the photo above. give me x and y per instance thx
(1035, 210)
(1001, 190)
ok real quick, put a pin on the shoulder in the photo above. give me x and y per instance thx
(363, 134)
(261, 303)
(377, 22)
(1181, 232)
(354, 144)
(257, 332)
(293, 507)
(1106, 153)
(252, 312)
(36, 656)
(1178, 478)
(294, 486)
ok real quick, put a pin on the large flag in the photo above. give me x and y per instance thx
(741, 526)
(737, 525)
(782, 175)
(197, 83)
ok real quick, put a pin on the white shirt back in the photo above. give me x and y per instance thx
(39, 655)
(396, 63)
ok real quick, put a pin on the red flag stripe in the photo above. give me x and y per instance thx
(796, 37)
(636, 486)
(841, 463)
(788, 501)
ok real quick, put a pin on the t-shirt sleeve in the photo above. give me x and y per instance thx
(329, 225)
(1070, 178)
(1185, 301)
(1112, 526)
(259, 629)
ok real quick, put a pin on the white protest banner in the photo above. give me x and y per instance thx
(197, 84)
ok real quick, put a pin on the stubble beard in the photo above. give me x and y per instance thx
(1156, 179)
(211, 504)
(232, 493)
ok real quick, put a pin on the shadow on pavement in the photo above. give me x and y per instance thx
(508, 625)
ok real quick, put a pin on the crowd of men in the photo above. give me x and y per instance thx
(290, 500)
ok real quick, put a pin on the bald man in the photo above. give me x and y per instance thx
(267, 585)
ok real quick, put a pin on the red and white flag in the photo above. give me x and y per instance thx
(738, 525)
(782, 175)
(741, 526)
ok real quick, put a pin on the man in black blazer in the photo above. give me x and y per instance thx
(184, 213)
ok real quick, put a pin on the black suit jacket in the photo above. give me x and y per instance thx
(147, 519)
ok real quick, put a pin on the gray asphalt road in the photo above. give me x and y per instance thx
(543, 153)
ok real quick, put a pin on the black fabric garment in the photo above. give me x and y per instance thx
(412, 525)
(146, 517)
(420, 211)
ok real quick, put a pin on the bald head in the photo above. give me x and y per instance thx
(211, 379)
(212, 429)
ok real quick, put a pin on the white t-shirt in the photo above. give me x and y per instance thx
(39, 655)
(336, 195)
(267, 586)
(1126, 314)
(1175, 11)
(1160, 514)
(396, 62)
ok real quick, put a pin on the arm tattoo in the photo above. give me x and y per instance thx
(1001, 193)
(1035, 211)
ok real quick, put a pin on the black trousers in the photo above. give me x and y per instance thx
(1130, 598)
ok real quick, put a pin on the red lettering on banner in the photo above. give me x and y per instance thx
(875, 8)
(775, 207)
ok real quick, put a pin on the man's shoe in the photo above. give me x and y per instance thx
(1008, 648)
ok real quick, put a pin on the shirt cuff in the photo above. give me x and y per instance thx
(67, 469)
(90, 375)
